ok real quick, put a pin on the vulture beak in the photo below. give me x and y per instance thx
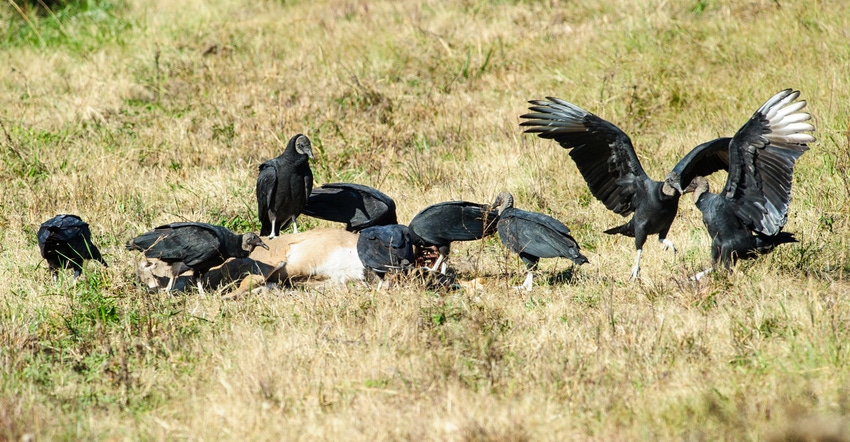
(678, 186)
(257, 242)
(691, 187)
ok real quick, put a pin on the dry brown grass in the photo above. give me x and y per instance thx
(161, 111)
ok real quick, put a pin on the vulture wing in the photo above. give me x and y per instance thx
(356, 205)
(449, 221)
(761, 160)
(602, 152)
(194, 244)
(703, 160)
(538, 235)
(266, 189)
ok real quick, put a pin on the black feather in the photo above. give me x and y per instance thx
(356, 205)
(65, 242)
(747, 218)
(443, 223)
(534, 235)
(283, 186)
(195, 246)
(385, 248)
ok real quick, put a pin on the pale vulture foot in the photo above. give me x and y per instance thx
(201, 287)
(636, 268)
(702, 274)
(666, 244)
(526, 285)
(439, 265)
(272, 234)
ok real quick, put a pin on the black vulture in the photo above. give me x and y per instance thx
(438, 225)
(283, 186)
(606, 159)
(194, 246)
(747, 218)
(65, 242)
(385, 248)
(533, 236)
(356, 205)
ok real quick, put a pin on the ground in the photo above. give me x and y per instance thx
(135, 114)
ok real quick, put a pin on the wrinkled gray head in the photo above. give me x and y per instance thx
(698, 186)
(672, 184)
(503, 201)
(303, 145)
(251, 240)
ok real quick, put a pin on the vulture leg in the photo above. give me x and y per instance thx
(530, 262)
(274, 224)
(294, 226)
(201, 287)
(380, 284)
(640, 240)
(636, 268)
(702, 274)
(199, 280)
(528, 281)
(170, 284)
(666, 244)
(437, 263)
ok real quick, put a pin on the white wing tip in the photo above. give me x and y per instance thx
(787, 124)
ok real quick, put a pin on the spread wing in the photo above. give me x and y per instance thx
(703, 160)
(334, 203)
(761, 161)
(602, 152)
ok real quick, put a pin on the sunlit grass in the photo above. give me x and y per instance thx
(134, 114)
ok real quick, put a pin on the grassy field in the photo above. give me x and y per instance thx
(134, 114)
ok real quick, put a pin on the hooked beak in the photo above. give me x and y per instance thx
(691, 187)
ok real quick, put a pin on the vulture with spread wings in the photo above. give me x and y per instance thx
(747, 218)
(606, 159)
